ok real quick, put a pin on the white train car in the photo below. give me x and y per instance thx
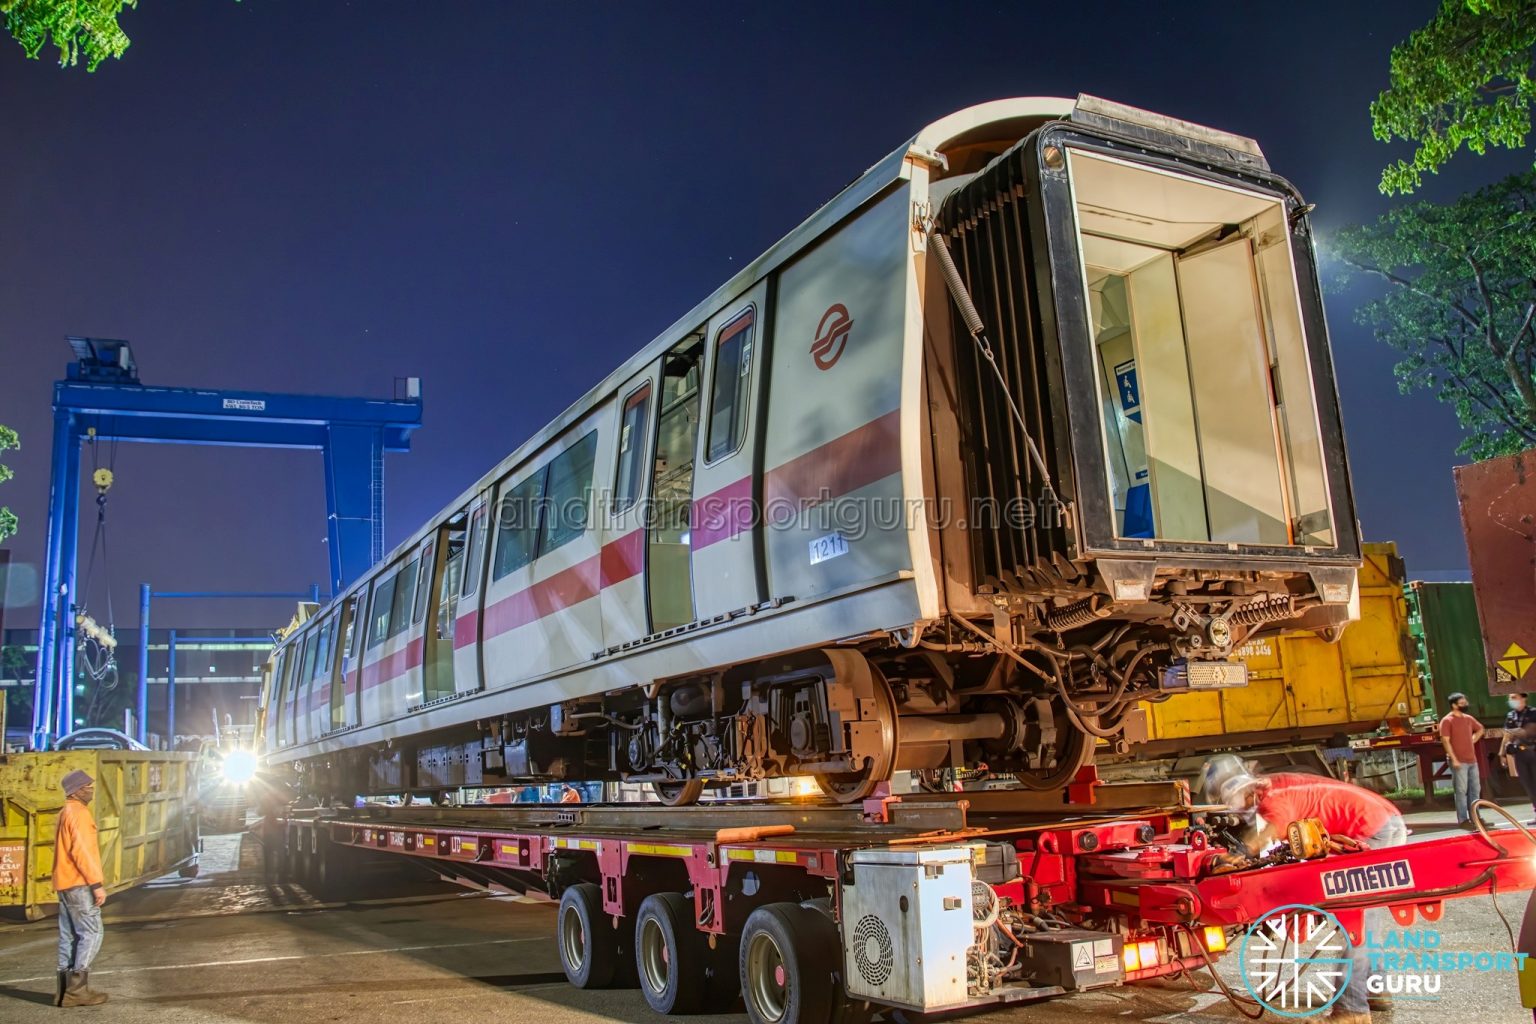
(860, 511)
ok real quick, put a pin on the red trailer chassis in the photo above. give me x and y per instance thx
(1132, 863)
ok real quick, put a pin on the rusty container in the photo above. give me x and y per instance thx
(1498, 515)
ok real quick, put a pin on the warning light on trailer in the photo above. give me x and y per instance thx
(1132, 958)
(1215, 939)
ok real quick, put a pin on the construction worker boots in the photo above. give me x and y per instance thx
(74, 989)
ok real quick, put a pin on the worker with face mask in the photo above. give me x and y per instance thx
(1518, 750)
(78, 879)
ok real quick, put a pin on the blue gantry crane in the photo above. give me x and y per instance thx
(102, 398)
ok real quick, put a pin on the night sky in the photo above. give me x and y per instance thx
(508, 199)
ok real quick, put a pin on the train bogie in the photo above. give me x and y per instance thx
(1033, 421)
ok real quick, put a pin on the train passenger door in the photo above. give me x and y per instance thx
(465, 629)
(442, 608)
(622, 563)
(726, 491)
(352, 667)
(344, 680)
(668, 567)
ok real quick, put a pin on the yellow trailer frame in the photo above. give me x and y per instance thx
(145, 809)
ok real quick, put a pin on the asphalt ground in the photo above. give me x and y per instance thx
(225, 947)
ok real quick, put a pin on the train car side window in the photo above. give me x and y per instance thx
(472, 566)
(383, 597)
(405, 596)
(323, 660)
(730, 385)
(632, 435)
(568, 494)
(517, 525)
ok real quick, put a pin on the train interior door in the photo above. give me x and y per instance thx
(447, 569)
(726, 490)
(668, 570)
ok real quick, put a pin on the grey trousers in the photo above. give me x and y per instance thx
(79, 928)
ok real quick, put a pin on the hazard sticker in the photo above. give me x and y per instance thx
(1082, 956)
(1106, 964)
(1515, 664)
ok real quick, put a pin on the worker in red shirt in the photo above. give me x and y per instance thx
(80, 884)
(1343, 809)
(1459, 733)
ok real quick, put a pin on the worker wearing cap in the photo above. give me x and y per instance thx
(1343, 809)
(1459, 733)
(1518, 751)
(78, 879)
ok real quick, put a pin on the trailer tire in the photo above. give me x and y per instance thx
(670, 955)
(589, 947)
(786, 950)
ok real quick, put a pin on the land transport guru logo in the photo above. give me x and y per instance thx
(1297, 960)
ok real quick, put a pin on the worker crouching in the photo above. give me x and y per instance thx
(1344, 810)
(78, 879)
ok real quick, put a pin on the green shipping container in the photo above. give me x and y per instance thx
(1442, 618)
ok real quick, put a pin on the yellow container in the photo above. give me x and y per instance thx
(1302, 688)
(145, 816)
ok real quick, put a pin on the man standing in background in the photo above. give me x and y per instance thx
(1459, 733)
(78, 879)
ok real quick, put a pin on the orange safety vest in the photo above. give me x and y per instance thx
(76, 852)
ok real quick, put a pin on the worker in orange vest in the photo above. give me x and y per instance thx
(78, 879)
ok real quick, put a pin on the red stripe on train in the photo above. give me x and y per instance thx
(844, 464)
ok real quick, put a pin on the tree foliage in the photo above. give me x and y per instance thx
(1459, 303)
(8, 441)
(76, 27)
(1462, 80)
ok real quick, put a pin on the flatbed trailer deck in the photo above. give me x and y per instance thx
(816, 912)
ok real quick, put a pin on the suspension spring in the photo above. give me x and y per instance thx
(1263, 611)
(1079, 613)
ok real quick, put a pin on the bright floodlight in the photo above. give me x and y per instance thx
(240, 766)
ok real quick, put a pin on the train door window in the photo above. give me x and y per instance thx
(424, 587)
(730, 385)
(405, 594)
(517, 525)
(632, 424)
(669, 578)
(472, 567)
(383, 597)
(567, 494)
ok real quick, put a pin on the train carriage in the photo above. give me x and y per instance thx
(1033, 421)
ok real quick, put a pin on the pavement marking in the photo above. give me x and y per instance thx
(295, 956)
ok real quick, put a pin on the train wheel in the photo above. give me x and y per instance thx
(589, 946)
(679, 794)
(670, 954)
(851, 787)
(1059, 748)
(788, 953)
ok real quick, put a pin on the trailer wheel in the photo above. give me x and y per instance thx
(679, 794)
(589, 948)
(670, 955)
(788, 953)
